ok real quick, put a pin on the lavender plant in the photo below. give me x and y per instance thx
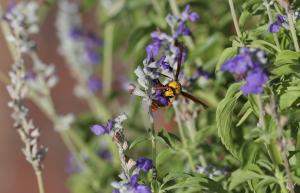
(215, 112)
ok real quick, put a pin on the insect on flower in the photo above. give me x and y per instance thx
(167, 93)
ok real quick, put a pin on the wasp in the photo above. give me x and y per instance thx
(173, 89)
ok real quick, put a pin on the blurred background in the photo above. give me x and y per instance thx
(134, 23)
(16, 175)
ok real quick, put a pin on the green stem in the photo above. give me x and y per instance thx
(107, 58)
(183, 138)
(276, 40)
(40, 182)
(282, 144)
(293, 30)
(235, 19)
(81, 145)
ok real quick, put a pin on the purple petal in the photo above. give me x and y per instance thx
(94, 84)
(109, 125)
(194, 17)
(98, 129)
(274, 28)
(144, 164)
(92, 56)
(142, 189)
(134, 180)
(255, 81)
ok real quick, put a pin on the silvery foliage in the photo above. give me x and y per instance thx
(29, 134)
(68, 19)
(22, 19)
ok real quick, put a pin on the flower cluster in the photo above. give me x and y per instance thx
(282, 21)
(132, 185)
(162, 58)
(249, 64)
(79, 48)
(29, 134)
(23, 21)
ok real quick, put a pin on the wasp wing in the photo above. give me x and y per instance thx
(196, 100)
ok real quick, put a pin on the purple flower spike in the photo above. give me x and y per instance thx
(238, 64)
(144, 164)
(94, 84)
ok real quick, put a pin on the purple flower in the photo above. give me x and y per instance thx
(153, 48)
(274, 27)
(138, 188)
(194, 17)
(92, 41)
(255, 81)
(72, 166)
(94, 84)
(182, 30)
(115, 191)
(238, 65)
(101, 130)
(249, 64)
(187, 14)
(105, 154)
(76, 33)
(144, 164)
(92, 56)
(164, 64)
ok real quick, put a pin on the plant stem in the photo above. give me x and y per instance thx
(183, 138)
(40, 182)
(282, 144)
(293, 30)
(107, 58)
(267, 5)
(235, 19)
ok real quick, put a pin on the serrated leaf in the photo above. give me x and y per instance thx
(224, 116)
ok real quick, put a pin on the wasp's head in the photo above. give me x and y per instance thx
(174, 89)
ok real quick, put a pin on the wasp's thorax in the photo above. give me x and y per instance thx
(174, 89)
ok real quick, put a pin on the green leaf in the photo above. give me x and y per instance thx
(138, 140)
(226, 54)
(286, 57)
(224, 117)
(167, 138)
(244, 17)
(241, 176)
(248, 153)
(246, 114)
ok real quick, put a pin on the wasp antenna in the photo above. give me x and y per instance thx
(179, 61)
(195, 99)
